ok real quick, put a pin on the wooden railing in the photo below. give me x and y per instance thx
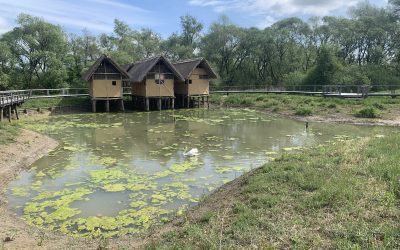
(12, 97)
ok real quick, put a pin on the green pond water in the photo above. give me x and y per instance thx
(115, 174)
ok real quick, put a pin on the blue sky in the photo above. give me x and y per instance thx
(163, 16)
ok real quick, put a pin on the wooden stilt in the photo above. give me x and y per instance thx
(107, 106)
(147, 104)
(173, 103)
(198, 102)
(9, 113)
(94, 106)
(122, 105)
(188, 102)
(1, 114)
(208, 103)
(203, 101)
(16, 112)
(159, 103)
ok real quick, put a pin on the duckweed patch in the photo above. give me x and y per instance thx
(117, 174)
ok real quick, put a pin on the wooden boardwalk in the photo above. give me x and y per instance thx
(337, 91)
(10, 100)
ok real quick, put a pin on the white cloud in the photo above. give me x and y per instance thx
(94, 15)
(270, 10)
(280, 7)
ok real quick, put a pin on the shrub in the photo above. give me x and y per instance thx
(303, 111)
(332, 106)
(369, 112)
(378, 106)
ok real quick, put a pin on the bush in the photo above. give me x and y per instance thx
(332, 106)
(378, 106)
(303, 111)
(367, 113)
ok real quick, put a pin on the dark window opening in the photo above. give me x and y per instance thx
(190, 81)
(114, 83)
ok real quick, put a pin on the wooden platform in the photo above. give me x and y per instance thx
(10, 100)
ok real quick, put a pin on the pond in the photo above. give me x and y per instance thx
(116, 174)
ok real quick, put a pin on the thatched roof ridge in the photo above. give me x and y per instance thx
(88, 74)
(139, 70)
(186, 67)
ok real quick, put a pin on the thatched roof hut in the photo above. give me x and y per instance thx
(197, 73)
(186, 67)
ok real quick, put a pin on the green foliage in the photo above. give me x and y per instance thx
(294, 78)
(358, 50)
(303, 111)
(368, 112)
(326, 70)
(56, 102)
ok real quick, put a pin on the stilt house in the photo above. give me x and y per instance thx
(197, 73)
(152, 82)
(105, 82)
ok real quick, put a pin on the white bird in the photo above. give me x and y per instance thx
(192, 152)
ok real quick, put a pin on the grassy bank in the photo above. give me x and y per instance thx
(327, 197)
(373, 107)
(8, 132)
(56, 102)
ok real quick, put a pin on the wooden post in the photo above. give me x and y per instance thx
(147, 104)
(208, 103)
(107, 106)
(94, 106)
(159, 103)
(203, 101)
(9, 113)
(122, 105)
(188, 102)
(198, 102)
(16, 112)
(1, 114)
(173, 103)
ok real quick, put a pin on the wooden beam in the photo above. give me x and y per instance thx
(122, 105)
(16, 112)
(107, 106)
(94, 106)
(147, 104)
(1, 114)
(159, 103)
(9, 113)
(173, 103)
(188, 102)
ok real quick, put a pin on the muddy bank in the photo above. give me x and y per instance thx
(14, 232)
(328, 118)
(341, 119)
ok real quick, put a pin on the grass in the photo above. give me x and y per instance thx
(385, 107)
(8, 132)
(368, 112)
(56, 102)
(344, 195)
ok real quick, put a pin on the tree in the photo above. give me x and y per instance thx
(38, 49)
(326, 68)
